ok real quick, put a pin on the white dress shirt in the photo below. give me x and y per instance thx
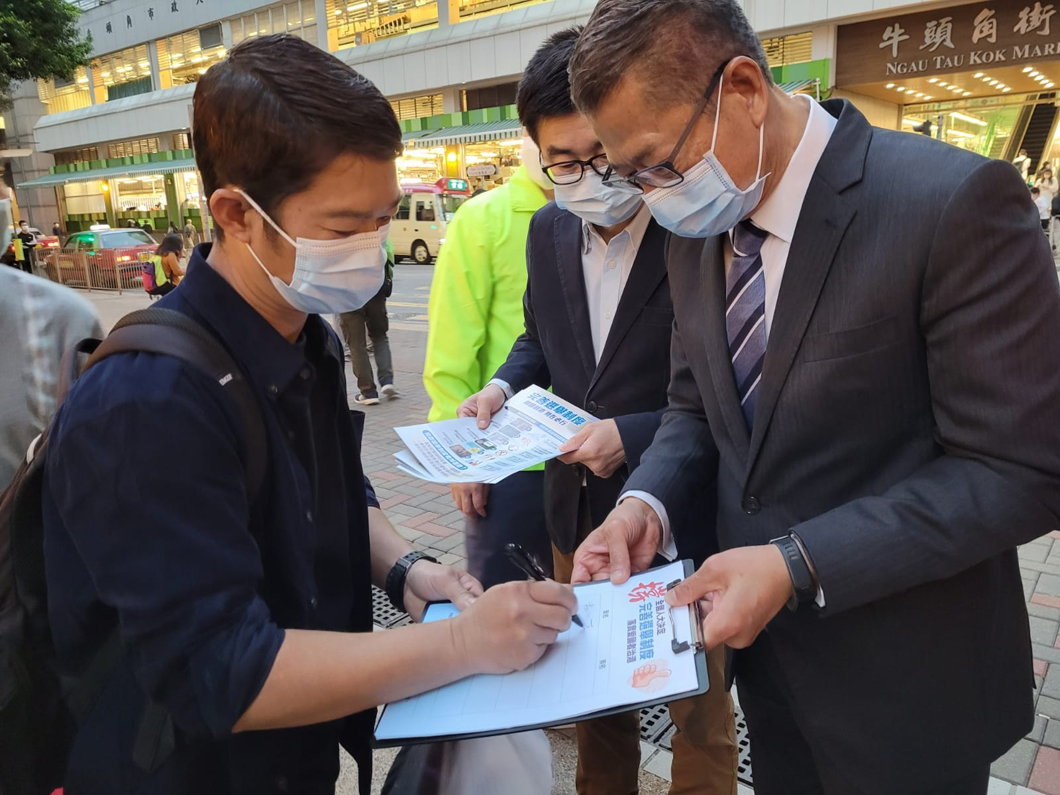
(606, 268)
(778, 215)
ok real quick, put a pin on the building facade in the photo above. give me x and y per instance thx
(113, 143)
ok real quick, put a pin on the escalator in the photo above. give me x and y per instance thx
(1038, 122)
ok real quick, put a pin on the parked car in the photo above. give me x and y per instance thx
(102, 257)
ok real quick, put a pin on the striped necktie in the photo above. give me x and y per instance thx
(745, 313)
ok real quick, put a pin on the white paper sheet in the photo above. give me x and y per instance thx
(528, 430)
(621, 657)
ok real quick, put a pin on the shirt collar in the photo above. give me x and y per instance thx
(634, 232)
(270, 360)
(779, 214)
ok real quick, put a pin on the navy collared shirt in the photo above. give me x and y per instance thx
(148, 525)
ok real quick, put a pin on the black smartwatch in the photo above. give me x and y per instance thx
(802, 578)
(395, 579)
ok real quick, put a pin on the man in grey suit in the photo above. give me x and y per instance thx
(865, 368)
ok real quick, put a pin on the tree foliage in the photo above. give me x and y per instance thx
(39, 39)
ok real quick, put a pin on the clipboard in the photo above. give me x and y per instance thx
(693, 645)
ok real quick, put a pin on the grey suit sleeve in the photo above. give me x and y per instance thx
(526, 364)
(990, 316)
(682, 459)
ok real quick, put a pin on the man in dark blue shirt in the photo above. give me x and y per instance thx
(248, 621)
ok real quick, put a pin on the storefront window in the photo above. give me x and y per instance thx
(139, 194)
(122, 74)
(355, 22)
(297, 18)
(417, 107)
(785, 50)
(489, 96)
(478, 8)
(60, 95)
(76, 156)
(984, 126)
(141, 146)
(184, 58)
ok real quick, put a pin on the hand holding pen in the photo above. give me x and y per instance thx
(530, 567)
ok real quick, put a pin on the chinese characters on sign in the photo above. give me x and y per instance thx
(647, 633)
(991, 33)
(631, 640)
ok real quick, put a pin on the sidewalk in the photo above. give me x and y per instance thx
(424, 514)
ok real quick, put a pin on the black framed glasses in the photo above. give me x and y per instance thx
(570, 172)
(665, 174)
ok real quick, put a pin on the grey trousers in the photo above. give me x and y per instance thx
(372, 316)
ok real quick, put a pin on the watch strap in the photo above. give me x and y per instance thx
(398, 574)
(804, 586)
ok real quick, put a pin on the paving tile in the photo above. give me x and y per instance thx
(1046, 600)
(1042, 630)
(449, 559)
(1026, 791)
(1045, 776)
(1049, 706)
(1028, 587)
(1016, 765)
(1040, 668)
(408, 533)
(390, 502)
(416, 521)
(1038, 732)
(402, 510)
(1048, 584)
(1052, 734)
(1054, 534)
(1035, 552)
(646, 752)
(660, 764)
(1048, 613)
(999, 787)
(447, 544)
(1051, 687)
(436, 530)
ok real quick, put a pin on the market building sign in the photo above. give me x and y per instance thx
(1006, 32)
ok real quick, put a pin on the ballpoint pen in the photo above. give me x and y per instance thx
(521, 558)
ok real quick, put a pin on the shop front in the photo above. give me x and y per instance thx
(151, 191)
(982, 76)
(480, 146)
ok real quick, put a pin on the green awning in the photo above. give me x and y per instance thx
(471, 133)
(795, 86)
(162, 167)
(408, 136)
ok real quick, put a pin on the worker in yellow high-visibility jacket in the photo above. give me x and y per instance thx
(476, 314)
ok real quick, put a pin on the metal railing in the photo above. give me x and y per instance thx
(116, 269)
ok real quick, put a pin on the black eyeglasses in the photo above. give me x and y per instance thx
(665, 174)
(570, 172)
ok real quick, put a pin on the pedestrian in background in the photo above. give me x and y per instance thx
(476, 314)
(1044, 207)
(57, 229)
(1046, 183)
(372, 318)
(1023, 165)
(28, 242)
(168, 272)
(191, 234)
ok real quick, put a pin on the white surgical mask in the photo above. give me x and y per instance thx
(707, 202)
(531, 157)
(593, 201)
(330, 276)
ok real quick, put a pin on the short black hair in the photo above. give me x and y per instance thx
(673, 45)
(544, 91)
(277, 111)
(1035, 190)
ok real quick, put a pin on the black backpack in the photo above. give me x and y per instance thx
(39, 706)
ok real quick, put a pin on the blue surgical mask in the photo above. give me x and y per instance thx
(593, 201)
(707, 202)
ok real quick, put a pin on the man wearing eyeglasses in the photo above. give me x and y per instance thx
(867, 326)
(598, 320)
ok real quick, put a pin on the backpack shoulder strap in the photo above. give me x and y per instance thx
(170, 333)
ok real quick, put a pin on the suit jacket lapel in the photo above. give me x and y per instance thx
(717, 343)
(824, 219)
(649, 269)
(567, 230)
